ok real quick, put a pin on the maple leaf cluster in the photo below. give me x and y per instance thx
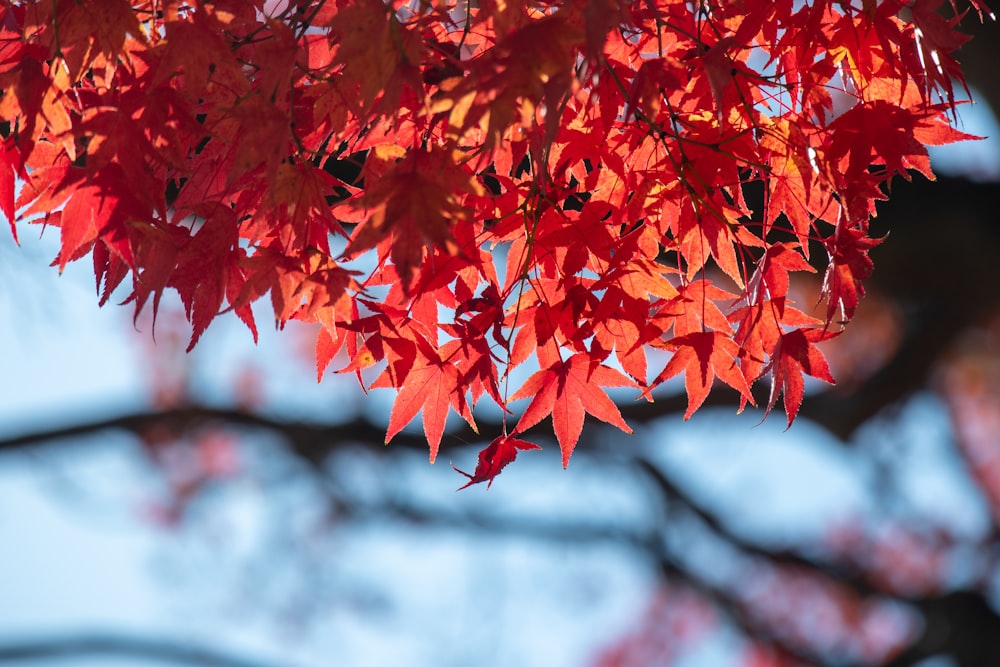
(452, 189)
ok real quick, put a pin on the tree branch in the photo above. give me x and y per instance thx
(109, 644)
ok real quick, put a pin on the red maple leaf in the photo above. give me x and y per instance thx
(494, 458)
(567, 390)
(702, 357)
(770, 280)
(377, 51)
(9, 167)
(796, 355)
(430, 387)
(849, 266)
(415, 201)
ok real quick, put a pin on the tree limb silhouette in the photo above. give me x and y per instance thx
(112, 644)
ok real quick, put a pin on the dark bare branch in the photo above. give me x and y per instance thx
(110, 644)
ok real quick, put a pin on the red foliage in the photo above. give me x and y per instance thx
(494, 458)
(451, 191)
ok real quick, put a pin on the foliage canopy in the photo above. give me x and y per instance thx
(449, 189)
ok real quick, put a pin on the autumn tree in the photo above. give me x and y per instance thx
(451, 189)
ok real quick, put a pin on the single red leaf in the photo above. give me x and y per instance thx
(759, 327)
(327, 346)
(770, 280)
(694, 308)
(719, 70)
(702, 357)
(494, 458)
(416, 201)
(430, 387)
(200, 274)
(378, 52)
(878, 132)
(567, 390)
(9, 161)
(796, 355)
(791, 186)
(849, 266)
